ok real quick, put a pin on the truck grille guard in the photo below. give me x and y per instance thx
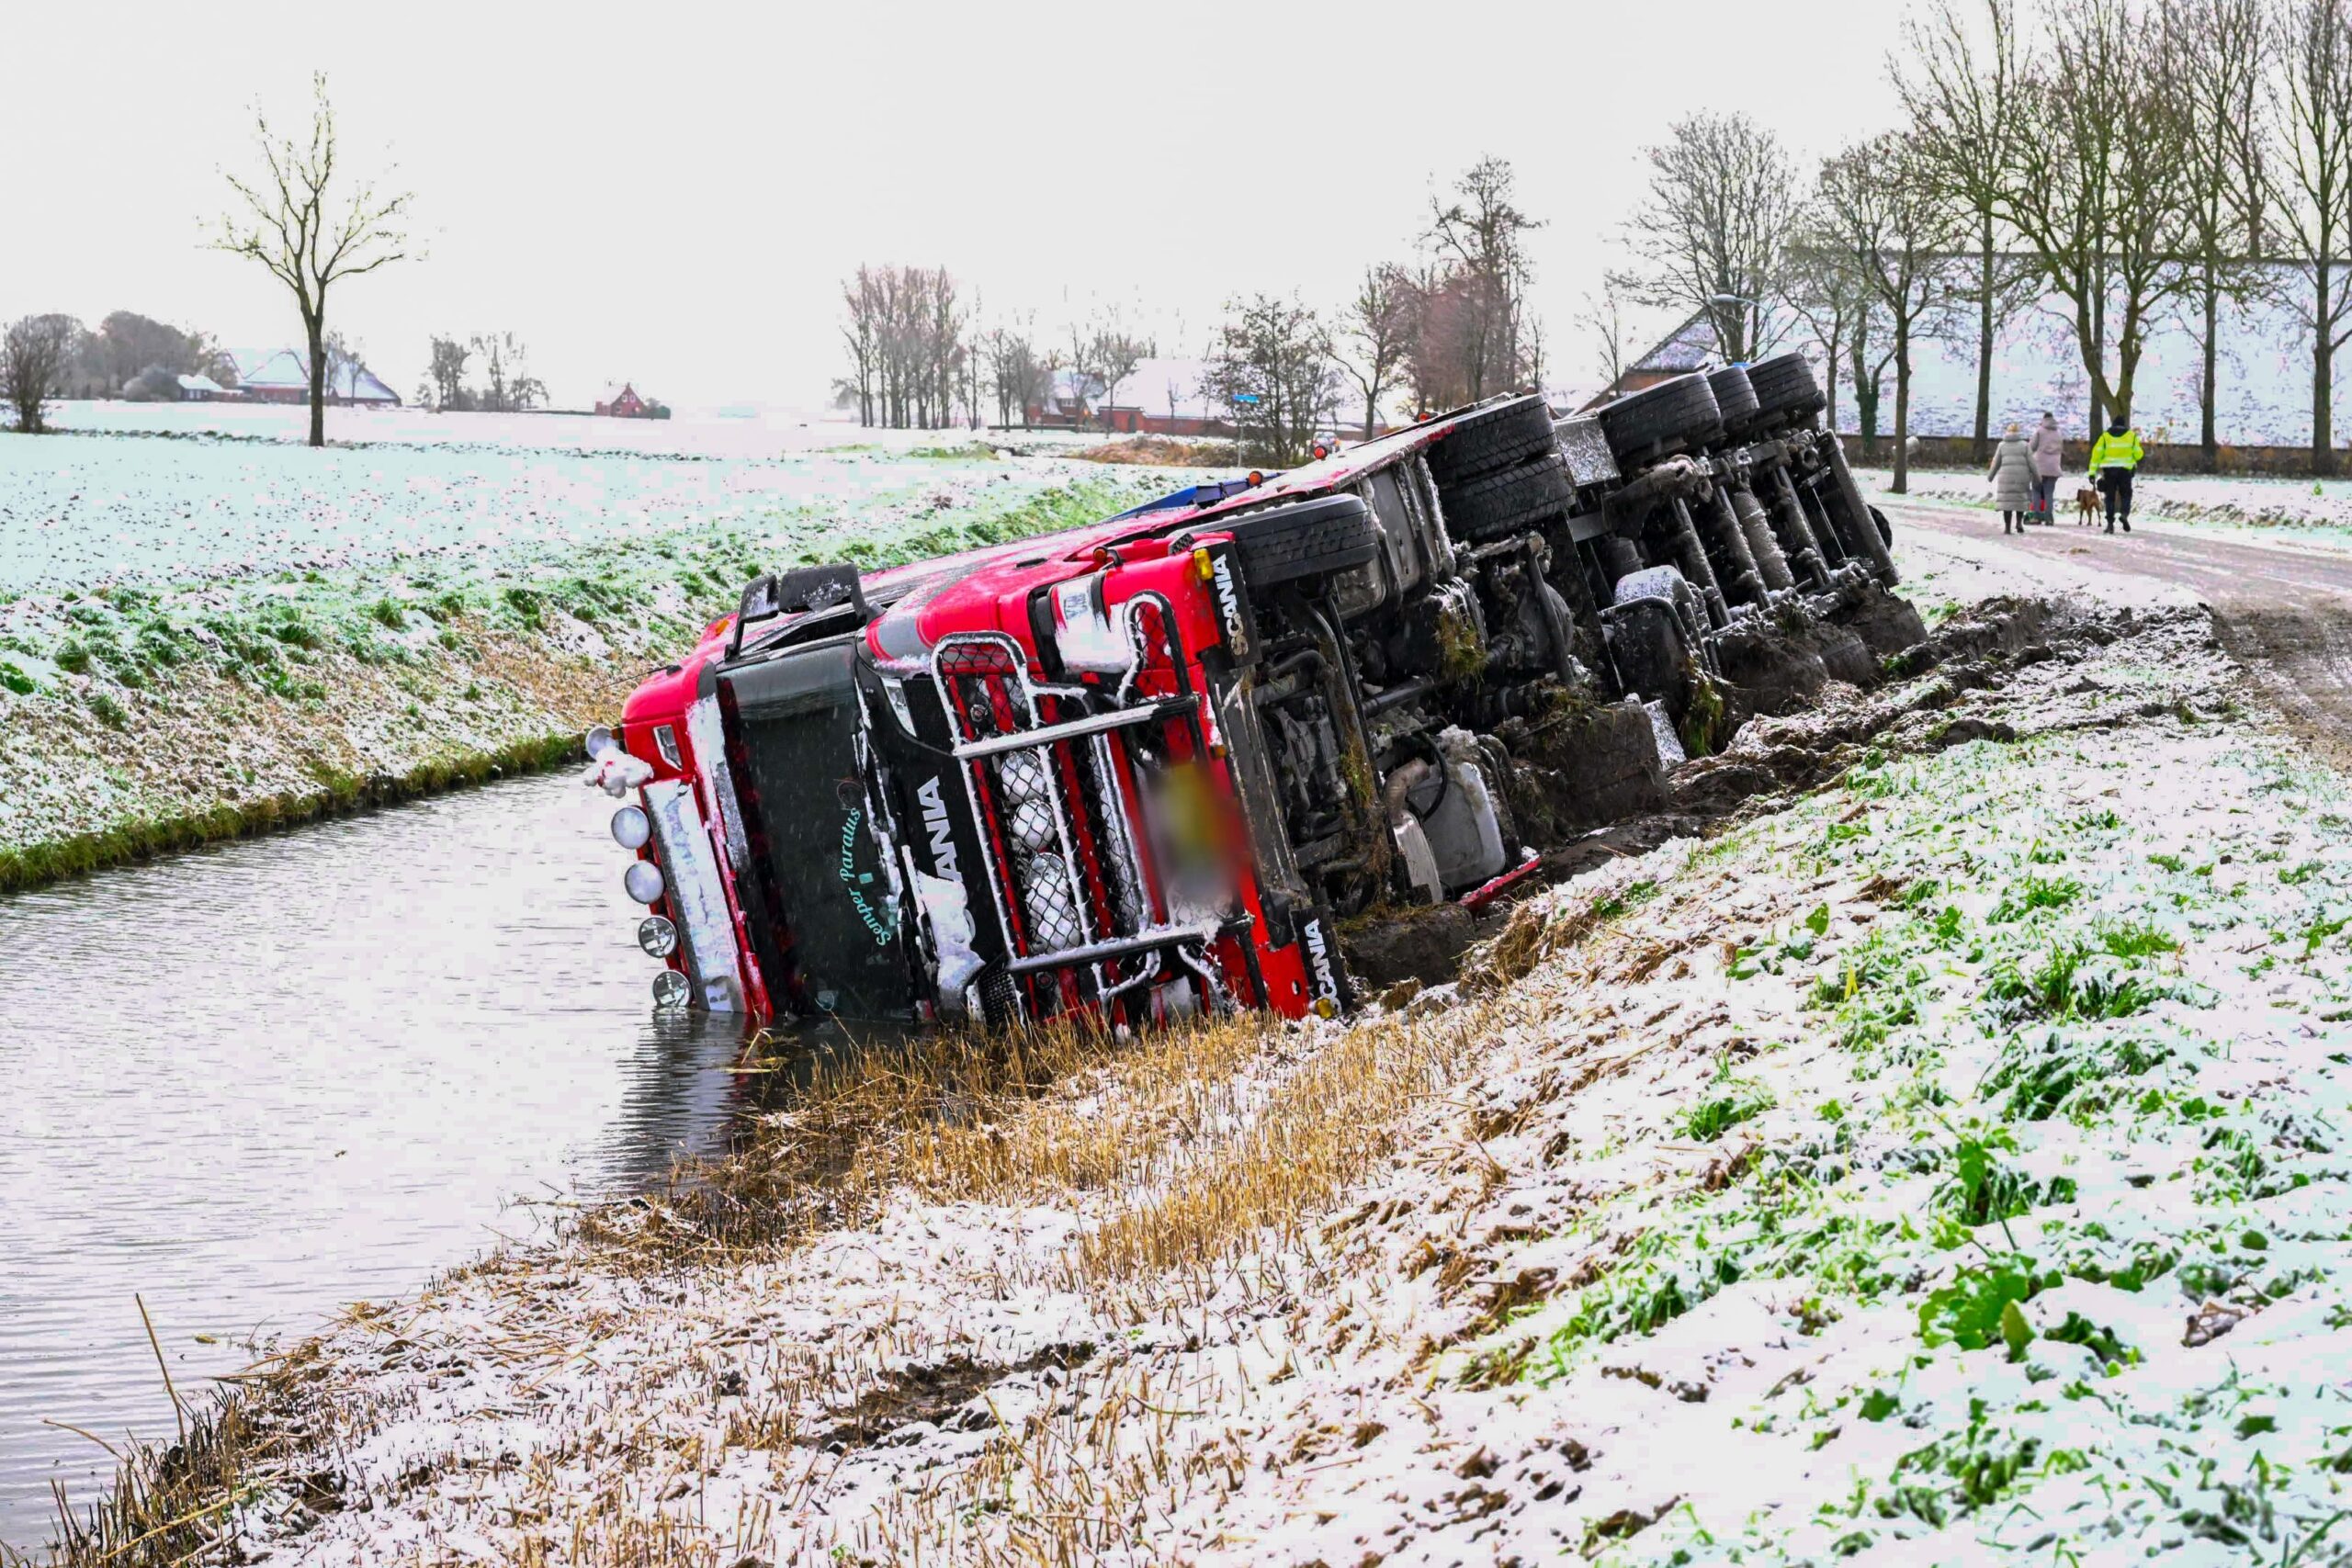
(1053, 803)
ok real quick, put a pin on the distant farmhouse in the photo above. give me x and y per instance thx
(624, 401)
(2262, 400)
(201, 389)
(283, 376)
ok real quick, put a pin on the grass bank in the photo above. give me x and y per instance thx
(1950, 1165)
(136, 719)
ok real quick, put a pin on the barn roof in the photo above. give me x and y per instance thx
(288, 369)
(1690, 346)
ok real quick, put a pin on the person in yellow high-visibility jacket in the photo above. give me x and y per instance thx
(2114, 456)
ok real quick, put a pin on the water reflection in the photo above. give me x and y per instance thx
(260, 1082)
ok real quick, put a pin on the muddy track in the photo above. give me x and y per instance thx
(2282, 609)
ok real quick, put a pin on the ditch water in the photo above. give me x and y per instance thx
(256, 1083)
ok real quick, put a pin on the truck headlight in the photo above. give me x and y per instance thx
(643, 880)
(631, 828)
(657, 936)
(671, 989)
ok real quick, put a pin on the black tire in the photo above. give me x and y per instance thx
(1489, 440)
(1885, 529)
(1510, 502)
(1734, 397)
(1305, 538)
(1785, 387)
(1669, 417)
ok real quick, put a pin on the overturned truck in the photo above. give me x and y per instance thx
(1142, 769)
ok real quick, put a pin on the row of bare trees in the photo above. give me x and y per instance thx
(1448, 326)
(507, 386)
(2129, 165)
(50, 356)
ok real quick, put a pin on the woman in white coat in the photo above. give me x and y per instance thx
(2011, 477)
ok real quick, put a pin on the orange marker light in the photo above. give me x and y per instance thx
(1202, 565)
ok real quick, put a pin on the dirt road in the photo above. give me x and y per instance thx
(2283, 609)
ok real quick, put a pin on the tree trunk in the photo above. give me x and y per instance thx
(2323, 376)
(316, 326)
(1901, 485)
(1980, 448)
(2094, 356)
(1830, 391)
(2208, 441)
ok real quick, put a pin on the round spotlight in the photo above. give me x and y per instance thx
(631, 828)
(598, 741)
(670, 989)
(657, 936)
(643, 882)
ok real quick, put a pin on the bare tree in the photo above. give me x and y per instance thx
(1377, 326)
(1113, 353)
(862, 336)
(906, 338)
(2213, 64)
(1018, 375)
(1479, 238)
(1710, 234)
(34, 355)
(2099, 183)
(508, 384)
(1603, 320)
(1272, 365)
(1821, 285)
(1084, 379)
(1959, 81)
(311, 227)
(2308, 182)
(1889, 217)
(445, 374)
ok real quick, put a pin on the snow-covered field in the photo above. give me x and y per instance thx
(769, 434)
(437, 593)
(240, 496)
(1950, 1167)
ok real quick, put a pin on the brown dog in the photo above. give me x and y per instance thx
(2086, 506)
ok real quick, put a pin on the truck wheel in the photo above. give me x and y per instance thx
(1491, 440)
(1662, 419)
(1734, 397)
(1511, 500)
(1784, 385)
(1307, 539)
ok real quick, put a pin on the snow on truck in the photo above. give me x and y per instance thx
(1144, 767)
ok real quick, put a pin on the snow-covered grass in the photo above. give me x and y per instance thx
(79, 512)
(201, 637)
(1949, 1168)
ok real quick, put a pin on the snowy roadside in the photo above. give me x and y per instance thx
(153, 711)
(2315, 515)
(1947, 1166)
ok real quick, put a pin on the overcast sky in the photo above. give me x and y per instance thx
(669, 192)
